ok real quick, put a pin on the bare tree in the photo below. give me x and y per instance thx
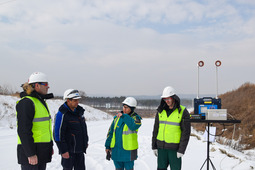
(82, 93)
(6, 89)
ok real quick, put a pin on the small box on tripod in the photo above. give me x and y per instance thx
(216, 114)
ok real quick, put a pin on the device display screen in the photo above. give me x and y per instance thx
(203, 108)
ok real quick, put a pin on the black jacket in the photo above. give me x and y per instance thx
(25, 115)
(70, 130)
(185, 127)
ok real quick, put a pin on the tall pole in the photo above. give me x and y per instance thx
(217, 64)
(216, 83)
(197, 81)
(199, 64)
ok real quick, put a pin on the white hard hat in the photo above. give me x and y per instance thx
(167, 92)
(71, 94)
(130, 101)
(37, 77)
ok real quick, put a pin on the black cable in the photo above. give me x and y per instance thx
(222, 129)
(216, 135)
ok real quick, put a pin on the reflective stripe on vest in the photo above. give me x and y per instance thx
(169, 127)
(42, 126)
(129, 137)
(169, 123)
(41, 119)
(116, 120)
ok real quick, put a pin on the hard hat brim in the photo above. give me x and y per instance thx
(75, 98)
(166, 96)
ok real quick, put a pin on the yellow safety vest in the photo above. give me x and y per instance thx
(129, 137)
(169, 127)
(42, 129)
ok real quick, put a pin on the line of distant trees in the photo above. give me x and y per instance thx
(113, 102)
(145, 107)
(116, 102)
(102, 101)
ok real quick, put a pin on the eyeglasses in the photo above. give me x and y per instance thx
(44, 84)
(168, 99)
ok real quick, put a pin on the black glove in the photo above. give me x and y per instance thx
(108, 156)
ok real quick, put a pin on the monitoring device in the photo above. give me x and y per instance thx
(216, 114)
(203, 105)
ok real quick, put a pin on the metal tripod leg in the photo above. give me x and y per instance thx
(203, 164)
(208, 160)
(212, 165)
(208, 164)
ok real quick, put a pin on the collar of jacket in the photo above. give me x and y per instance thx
(79, 111)
(37, 95)
(163, 106)
(133, 114)
(130, 114)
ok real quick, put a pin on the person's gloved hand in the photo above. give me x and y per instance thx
(155, 151)
(179, 155)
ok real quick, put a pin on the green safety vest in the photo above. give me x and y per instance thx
(169, 127)
(42, 129)
(129, 137)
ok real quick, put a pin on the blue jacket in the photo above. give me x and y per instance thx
(70, 130)
(118, 153)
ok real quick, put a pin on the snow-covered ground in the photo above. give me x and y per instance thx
(98, 123)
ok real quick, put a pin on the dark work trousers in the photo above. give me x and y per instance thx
(33, 167)
(168, 157)
(76, 162)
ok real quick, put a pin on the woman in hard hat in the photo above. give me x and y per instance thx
(121, 140)
(170, 134)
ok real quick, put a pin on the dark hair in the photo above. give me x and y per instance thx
(131, 108)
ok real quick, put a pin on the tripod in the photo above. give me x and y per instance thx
(208, 160)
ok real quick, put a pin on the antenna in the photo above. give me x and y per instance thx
(199, 64)
(217, 64)
(202, 105)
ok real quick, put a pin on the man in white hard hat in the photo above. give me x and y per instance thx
(70, 132)
(121, 139)
(171, 134)
(35, 145)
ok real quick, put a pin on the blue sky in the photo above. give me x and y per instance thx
(128, 47)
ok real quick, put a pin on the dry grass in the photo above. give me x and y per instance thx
(240, 103)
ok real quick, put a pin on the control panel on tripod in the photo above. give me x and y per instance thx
(202, 105)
